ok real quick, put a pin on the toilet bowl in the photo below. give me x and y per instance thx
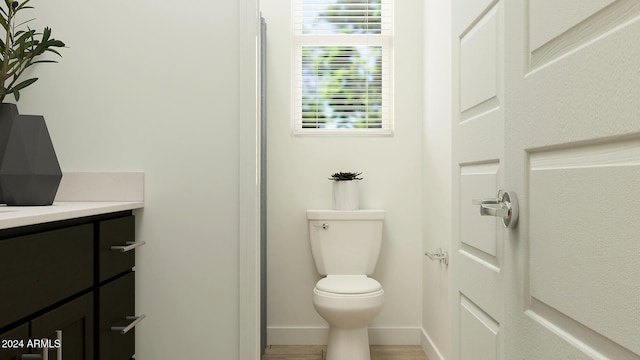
(345, 246)
(348, 303)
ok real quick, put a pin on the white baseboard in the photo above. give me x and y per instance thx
(394, 336)
(297, 335)
(319, 335)
(429, 347)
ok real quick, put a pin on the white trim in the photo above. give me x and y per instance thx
(249, 191)
(297, 335)
(342, 132)
(319, 335)
(429, 347)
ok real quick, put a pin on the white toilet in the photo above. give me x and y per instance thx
(345, 246)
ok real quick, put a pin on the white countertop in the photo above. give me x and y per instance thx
(15, 216)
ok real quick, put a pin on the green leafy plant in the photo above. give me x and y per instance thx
(345, 176)
(21, 48)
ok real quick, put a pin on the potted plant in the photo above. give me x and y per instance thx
(29, 169)
(345, 190)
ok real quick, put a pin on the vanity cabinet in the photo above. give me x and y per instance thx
(72, 325)
(10, 347)
(115, 307)
(68, 285)
(116, 283)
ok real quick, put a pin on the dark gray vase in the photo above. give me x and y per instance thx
(29, 170)
(8, 114)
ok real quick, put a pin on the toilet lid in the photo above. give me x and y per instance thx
(348, 284)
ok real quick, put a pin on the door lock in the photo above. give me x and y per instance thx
(504, 206)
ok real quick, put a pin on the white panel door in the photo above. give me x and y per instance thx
(547, 105)
(477, 252)
(572, 154)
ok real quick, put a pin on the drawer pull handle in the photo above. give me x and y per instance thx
(45, 351)
(125, 329)
(130, 245)
(31, 357)
(59, 350)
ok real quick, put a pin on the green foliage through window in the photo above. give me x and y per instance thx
(342, 16)
(343, 65)
(342, 87)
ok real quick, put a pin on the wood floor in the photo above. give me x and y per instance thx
(313, 352)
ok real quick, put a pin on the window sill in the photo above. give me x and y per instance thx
(343, 132)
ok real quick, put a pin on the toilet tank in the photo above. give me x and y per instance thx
(345, 242)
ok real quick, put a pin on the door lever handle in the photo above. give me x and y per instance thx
(491, 207)
(504, 206)
(485, 201)
(494, 210)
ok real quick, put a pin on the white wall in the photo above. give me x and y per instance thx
(298, 168)
(153, 86)
(437, 216)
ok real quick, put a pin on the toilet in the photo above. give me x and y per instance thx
(345, 245)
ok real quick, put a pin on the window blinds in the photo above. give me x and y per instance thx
(323, 17)
(342, 66)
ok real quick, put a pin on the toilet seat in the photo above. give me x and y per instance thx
(348, 284)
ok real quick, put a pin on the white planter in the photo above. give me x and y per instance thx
(346, 195)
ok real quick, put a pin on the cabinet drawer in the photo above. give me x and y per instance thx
(116, 303)
(115, 232)
(41, 269)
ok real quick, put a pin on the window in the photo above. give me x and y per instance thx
(342, 67)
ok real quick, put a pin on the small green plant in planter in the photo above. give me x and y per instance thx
(29, 170)
(345, 176)
(21, 48)
(345, 190)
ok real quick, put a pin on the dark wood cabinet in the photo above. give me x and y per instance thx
(12, 343)
(72, 324)
(115, 310)
(116, 233)
(41, 269)
(70, 286)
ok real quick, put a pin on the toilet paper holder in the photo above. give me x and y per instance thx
(439, 255)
